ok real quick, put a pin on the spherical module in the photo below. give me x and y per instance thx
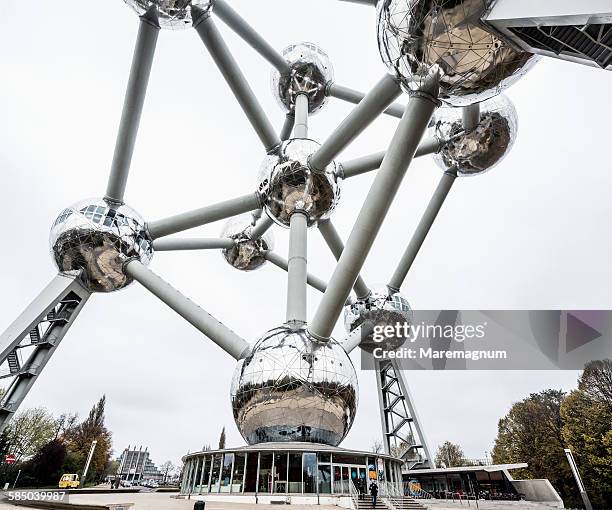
(95, 238)
(293, 388)
(420, 38)
(310, 70)
(173, 14)
(287, 184)
(247, 254)
(382, 307)
(477, 150)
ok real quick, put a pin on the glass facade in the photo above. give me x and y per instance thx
(284, 472)
(226, 472)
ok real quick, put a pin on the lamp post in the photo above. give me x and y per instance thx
(89, 457)
(576, 473)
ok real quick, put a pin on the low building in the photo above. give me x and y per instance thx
(492, 482)
(302, 472)
(136, 466)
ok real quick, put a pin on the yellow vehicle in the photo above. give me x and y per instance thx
(69, 481)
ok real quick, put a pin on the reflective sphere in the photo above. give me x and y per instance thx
(96, 237)
(287, 184)
(247, 254)
(173, 14)
(382, 308)
(419, 38)
(310, 72)
(292, 388)
(480, 149)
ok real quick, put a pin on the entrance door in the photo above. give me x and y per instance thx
(345, 474)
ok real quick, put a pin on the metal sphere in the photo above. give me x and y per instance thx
(310, 72)
(382, 307)
(293, 388)
(477, 150)
(246, 254)
(172, 14)
(287, 184)
(95, 238)
(419, 38)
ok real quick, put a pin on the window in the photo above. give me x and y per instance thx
(238, 472)
(348, 459)
(324, 479)
(280, 473)
(325, 457)
(310, 473)
(250, 482)
(295, 473)
(196, 479)
(264, 484)
(216, 471)
(206, 471)
(226, 472)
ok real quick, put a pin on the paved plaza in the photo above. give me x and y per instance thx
(162, 501)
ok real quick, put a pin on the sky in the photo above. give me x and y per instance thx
(531, 234)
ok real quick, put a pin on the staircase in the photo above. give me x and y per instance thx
(366, 504)
(404, 503)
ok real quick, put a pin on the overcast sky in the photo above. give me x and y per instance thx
(532, 234)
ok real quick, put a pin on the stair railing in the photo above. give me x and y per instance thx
(354, 494)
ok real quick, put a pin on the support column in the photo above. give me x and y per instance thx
(355, 97)
(40, 328)
(300, 129)
(220, 334)
(374, 103)
(203, 216)
(377, 203)
(233, 20)
(336, 246)
(423, 228)
(228, 66)
(140, 72)
(314, 281)
(297, 269)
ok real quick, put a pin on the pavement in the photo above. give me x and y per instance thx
(164, 501)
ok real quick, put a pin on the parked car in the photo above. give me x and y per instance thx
(69, 481)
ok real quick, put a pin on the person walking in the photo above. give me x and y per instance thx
(374, 493)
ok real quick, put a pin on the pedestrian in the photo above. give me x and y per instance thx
(374, 493)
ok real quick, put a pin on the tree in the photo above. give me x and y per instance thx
(46, 466)
(80, 438)
(587, 430)
(65, 423)
(596, 381)
(167, 468)
(377, 446)
(28, 431)
(450, 455)
(531, 433)
(222, 439)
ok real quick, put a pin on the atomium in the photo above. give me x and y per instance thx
(288, 184)
(173, 14)
(247, 254)
(96, 237)
(292, 388)
(310, 70)
(477, 150)
(418, 39)
(294, 383)
(382, 307)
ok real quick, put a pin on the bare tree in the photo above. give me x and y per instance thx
(167, 468)
(377, 446)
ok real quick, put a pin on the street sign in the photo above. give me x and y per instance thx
(9, 459)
